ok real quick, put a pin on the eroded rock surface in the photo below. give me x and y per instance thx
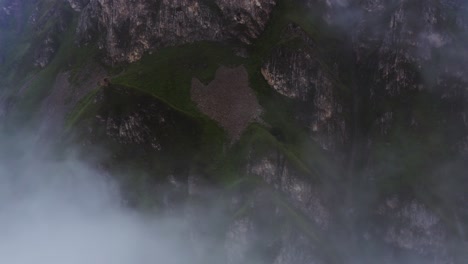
(411, 226)
(297, 71)
(126, 30)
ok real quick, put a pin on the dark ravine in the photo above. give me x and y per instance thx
(352, 146)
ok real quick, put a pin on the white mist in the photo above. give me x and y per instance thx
(65, 213)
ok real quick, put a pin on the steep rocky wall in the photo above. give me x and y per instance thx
(297, 71)
(126, 30)
(398, 99)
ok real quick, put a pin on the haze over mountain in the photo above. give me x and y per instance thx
(229, 131)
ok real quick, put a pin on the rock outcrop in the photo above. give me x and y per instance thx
(125, 30)
(297, 71)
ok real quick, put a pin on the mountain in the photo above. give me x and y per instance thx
(329, 131)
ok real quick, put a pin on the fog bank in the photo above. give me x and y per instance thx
(55, 212)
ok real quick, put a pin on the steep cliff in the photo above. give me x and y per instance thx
(125, 30)
(336, 131)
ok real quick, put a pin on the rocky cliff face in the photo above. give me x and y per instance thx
(125, 30)
(342, 124)
(297, 70)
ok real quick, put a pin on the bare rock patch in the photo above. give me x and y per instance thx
(228, 100)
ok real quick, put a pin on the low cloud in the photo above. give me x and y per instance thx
(63, 211)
